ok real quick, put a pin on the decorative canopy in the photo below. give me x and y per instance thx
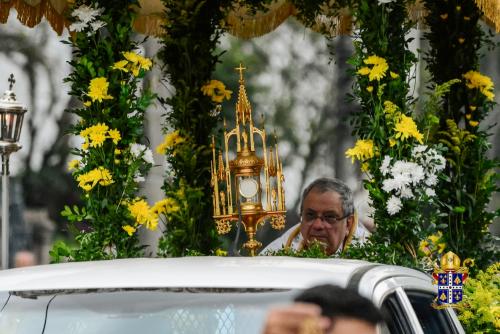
(240, 22)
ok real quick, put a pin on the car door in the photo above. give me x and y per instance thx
(406, 296)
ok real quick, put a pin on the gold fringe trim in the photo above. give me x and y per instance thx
(31, 14)
(150, 24)
(241, 24)
(333, 25)
(417, 12)
(491, 10)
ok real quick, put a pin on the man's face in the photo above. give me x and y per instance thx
(351, 325)
(317, 209)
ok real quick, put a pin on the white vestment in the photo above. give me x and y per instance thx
(359, 237)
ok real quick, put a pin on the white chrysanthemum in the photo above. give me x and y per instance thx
(393, 205)
(385, 167)
(417, 174)
(402, 167)
(86, 14)
(141, 151)
(389, 185)
(137, 149)
(402, 180)
(139, 178)
(148, 156)
(418, 150)
(431, 180)
(97, 25)
(440, 163)
(406, 193)
(77, 26)
(430, 192)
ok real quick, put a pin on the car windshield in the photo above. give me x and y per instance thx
(139, 311)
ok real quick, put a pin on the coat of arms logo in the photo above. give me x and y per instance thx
(449, 278)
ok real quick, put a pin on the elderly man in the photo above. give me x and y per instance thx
(327, 216)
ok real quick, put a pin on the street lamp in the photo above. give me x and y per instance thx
(238, 181)
(11, 122)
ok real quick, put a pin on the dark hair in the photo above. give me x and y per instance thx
(338, 302)
(323, 185)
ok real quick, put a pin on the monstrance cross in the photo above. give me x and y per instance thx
(241, 68)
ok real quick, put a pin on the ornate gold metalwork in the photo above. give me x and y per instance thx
(237, 188)
(278, 222)
(223, 226)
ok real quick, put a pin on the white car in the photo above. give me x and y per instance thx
(202, 295)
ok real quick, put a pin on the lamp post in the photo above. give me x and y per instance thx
(237, 187)
(11, 122)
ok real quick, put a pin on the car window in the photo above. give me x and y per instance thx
(431, 319)
(132, 312)
(395, 317)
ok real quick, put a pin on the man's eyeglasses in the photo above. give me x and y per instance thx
(310, 217)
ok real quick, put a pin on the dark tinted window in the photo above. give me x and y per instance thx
(431, 320)
(395, 316)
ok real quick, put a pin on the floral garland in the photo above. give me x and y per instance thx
(189, 55)
(402, 170)
(107, 71)
(470, 175)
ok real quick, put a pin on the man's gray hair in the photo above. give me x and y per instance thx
(325, 184)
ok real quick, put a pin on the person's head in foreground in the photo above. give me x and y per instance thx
(327, 213)
(325, 309)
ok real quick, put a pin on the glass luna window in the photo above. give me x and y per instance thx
(248, 189)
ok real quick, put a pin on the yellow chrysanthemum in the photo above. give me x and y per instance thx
(165, 206)
(135, 62)
(172, 139)
(392, 142)
(364, 70)
(114, 135)
(389, 107)
(217, 91)
(142, 214)
(379, 68)
(95, 135)
(362, 150)
(131, 57)
(97, 139)
(98, 89)
(121, 65)
(369, 89)
(220, 252)
(475, 80)
(73, 164)
(424, 247)
(434, 238)
(473, 123)
(129, 229)
(407, 128)
(100, 175)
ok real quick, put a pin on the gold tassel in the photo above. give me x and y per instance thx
(243, 25)
(491, 10)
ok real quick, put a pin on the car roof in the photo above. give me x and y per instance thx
(195, 272)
